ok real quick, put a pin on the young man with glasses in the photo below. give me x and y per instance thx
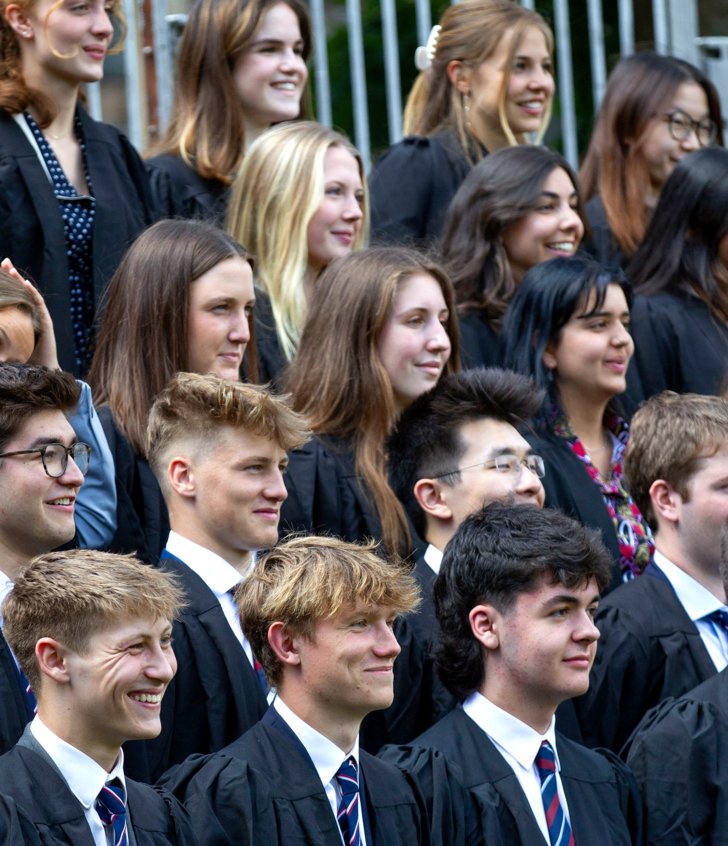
(455, 449)
(41, 471)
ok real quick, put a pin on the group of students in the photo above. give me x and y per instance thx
(285, 661)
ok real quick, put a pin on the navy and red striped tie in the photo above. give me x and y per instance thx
(111, 808)
(347, 778)
(559, 828)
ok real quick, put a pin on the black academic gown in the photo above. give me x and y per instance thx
(14, 710)
(411, 187)
(679, 756)
(679, 345)
(16, 829)
(180, 191)
(142, 520)
(43, 797)
(479, 342)
(473, 795)
(268, 352)
(649, 650)
(599, 242)
(215, 697)
(31, 228)
(264, 790)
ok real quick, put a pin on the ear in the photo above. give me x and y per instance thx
(429, 496)
(181, 477)
(51, 658)
(485, 625)
(549, 358)
(284, 643)
(459, 75)
(17, 19)
(666, 501)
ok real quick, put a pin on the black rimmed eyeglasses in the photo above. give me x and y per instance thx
(55, 457)
(681, 125)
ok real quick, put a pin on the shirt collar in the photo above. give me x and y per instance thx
(82, 774)
(327, 757)
(519, 740)
(697, 600)
(433, 558)
(215, 571)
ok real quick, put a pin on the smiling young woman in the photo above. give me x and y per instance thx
(73, 192)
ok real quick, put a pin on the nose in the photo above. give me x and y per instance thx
(292, 62)
(529, 483)
(240, 328)
(439, 340)
(386, 644)
(690, 143)
(572, 222)
(162, 664)
(622, 336)
(276, 488)
(102, 26)
(72, 476)
(586, 631)
(541, 80)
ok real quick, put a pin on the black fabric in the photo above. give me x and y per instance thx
(473, 796)
(14, 712)
(479, 342)
(215, 696)
(142, 520)
(411, 187)
(31, 233)
(180, 191)
(15, 827)
(271, 361)
(264, 790)
(679, 756)
(649, 650)
(679, 345)
(569, 486)
(57, 816)
(600, 242)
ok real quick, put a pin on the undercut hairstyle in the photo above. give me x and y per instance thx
(497, 554)
(349, 307)
(427, 440)
(308, 579)
(143, 337)
(681, 250)
(639, 89)
(193, 408)
(71, 595)
(13, 294)
(28, 389)
(496, 194)
(15, 94)
(279, 189)
(547, 298)
(207, 124)
(470, 32)
(669, 436)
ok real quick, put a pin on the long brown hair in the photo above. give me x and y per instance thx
(207, 127)
(143, 335)
(639, 89)
(337, 378)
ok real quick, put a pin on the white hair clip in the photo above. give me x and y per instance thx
(424, 56)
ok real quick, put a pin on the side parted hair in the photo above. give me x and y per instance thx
(669, 435)
(27, 389)
(549, 295)
(15, 94)
(13, 294)
(207, 125)
(143, 336)
(276, 194)
(470, 32)
(193, 407)
(349, 307)
(427, 442)
(71, 595)
(497, 193)
(308, 579)
(681, 248)
(639, 89)
(497, 554)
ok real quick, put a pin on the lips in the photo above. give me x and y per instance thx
(62, 501)
(564, 247)
(147, 698)
(432, 368)
(97, 53)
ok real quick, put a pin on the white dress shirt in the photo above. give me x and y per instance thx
(327, 757)
(518, 744)
(433, 558)
(82, 774)
(698, 601)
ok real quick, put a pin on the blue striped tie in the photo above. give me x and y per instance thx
(559, 828)
(348, 815)
(111, 808)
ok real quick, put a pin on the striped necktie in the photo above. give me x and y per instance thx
(111, 808)
(559, 828)
(348, 814)
(719, 617)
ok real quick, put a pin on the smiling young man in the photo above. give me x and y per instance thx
(92, 631)
(41, 468)
(515, 599)
(663, 633)
(218, 450)
(319, 612)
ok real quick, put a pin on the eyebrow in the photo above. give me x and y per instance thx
(45, 441)
(592, 314)
(567, 599)
(274, 42)
(552, 195)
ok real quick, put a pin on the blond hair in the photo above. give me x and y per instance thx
(72, 594)
(308, 579)
(274, 197)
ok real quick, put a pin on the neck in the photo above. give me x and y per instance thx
(60, 719)
(339, 729)
(534, 714)
(439, 535)
(189, 530)
(64, 96)
(13, 561)
(669, 543)
(491, 138)
(253, 131)
(585, 418)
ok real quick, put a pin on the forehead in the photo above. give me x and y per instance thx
(558, 182)
(338, 160)
(232, 276)
(278, 22)
(42, 427)
(614, 301)
(489, 436)
(547, 590)
(128, 628)
(419, 290)
(235, 442)
(712, 463)
(690, 97)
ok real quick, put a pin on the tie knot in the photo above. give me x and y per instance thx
(545, 760)
(348, 777)
(720, 617)
(111, 808)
